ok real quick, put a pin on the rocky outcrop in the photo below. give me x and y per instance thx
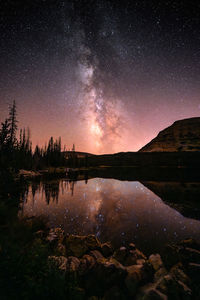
(182, 135)
(97, 271)
(29, 174)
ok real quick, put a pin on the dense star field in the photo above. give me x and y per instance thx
(105, 75)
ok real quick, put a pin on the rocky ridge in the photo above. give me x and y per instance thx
(97, 271)
(182, 135)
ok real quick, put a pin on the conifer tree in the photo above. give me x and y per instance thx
(12, 120)
(4, 134)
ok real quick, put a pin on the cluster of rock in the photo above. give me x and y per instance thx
(28, 174)
(100, 272)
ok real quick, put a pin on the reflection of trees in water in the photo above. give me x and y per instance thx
(24, 190)
(68, 185)
(49, 189)
(34, 187)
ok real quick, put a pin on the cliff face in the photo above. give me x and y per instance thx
(182, 135)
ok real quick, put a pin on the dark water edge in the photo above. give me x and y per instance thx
(132, 173)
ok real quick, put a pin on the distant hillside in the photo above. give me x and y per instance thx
(78, 154)
(182, 135)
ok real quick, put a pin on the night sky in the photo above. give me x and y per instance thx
(107, 76)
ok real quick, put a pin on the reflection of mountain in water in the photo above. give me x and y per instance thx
(183, 196)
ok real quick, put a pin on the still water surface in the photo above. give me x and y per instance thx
(113, 210)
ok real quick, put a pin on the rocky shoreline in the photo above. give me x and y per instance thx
(94, 270)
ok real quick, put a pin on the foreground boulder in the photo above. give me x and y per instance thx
(73, 264)
(87, 263)
(56, 235)
(79, 245)
(105, 274)
(157, 265)
(107, 249)
(137, 274)
(58, 261)
(128, 256)
(149, 292)
(97, 271)
(187, 251)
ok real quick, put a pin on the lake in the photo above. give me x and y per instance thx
(118, 211)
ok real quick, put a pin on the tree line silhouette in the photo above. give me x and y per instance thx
(17, 153)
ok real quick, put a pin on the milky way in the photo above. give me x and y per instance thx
(105, 75)
(103, 115)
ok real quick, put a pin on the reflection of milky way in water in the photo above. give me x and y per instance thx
(114, 210)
